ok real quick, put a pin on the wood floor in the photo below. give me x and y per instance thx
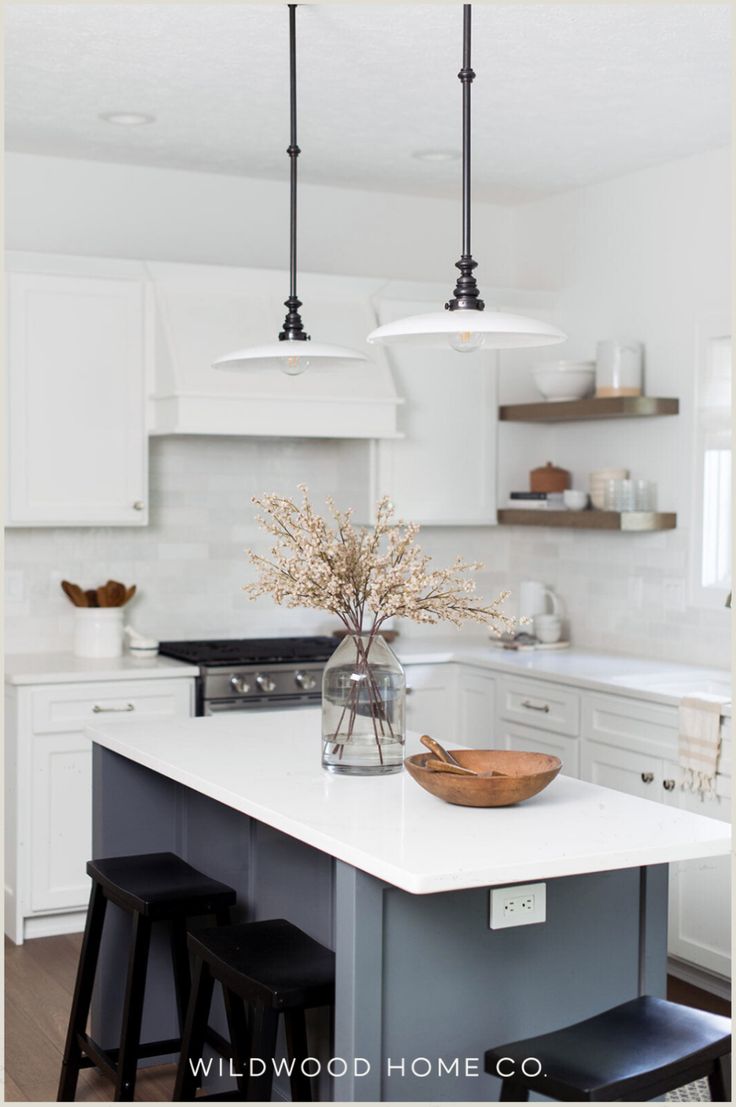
(39, 980)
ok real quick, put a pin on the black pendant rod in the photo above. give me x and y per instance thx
(465, 293)
(293, 326)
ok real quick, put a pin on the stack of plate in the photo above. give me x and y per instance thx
(599, 478)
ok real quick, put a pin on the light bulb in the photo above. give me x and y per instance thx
(293, 365)
(465, 342)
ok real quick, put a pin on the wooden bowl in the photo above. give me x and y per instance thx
(528, 773)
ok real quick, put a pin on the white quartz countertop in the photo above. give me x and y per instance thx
(65, 668)
(641, 677)
(267, 765)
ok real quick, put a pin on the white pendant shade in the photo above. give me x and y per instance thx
(471, 329)
(275, 354)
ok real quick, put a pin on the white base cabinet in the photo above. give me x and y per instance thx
(532, 739)
(700, 891)
(475, 707)
(48, 772)
(452, 703)
(430, 700)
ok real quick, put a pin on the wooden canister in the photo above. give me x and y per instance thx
(548, 478)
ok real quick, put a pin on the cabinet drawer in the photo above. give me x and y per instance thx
(66, 707)
(539, 704)
(649, 728)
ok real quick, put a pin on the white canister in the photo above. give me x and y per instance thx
(619, 368)
(98, 631)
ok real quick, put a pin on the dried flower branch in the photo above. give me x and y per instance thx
(363, 575)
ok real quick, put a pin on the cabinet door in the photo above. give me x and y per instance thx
(443, 470)
(430, 700)
(700, 890)
(76, 401)
(637, 774)
(475, 708)
(60, 825)
(529, 739)
(61, 821)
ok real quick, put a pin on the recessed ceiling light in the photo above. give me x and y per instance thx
(127, 118)
(436, 155)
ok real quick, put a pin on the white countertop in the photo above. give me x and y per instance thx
(65, 668)
(267, 765)
(644, 678)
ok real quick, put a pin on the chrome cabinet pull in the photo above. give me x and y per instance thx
(138, 505)
(112, 710)
(535, 706)
(668, 785)
(408, 691)
(647, 778)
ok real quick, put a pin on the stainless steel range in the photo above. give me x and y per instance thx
(248, 673)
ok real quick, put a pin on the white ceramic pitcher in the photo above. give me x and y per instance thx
(533, 596)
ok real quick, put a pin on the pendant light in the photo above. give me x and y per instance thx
(465, 325)
(291, 353)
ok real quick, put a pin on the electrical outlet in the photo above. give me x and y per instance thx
(518, 905)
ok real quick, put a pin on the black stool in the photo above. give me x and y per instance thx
(637, 1051)
(153, 887)
(273, 967)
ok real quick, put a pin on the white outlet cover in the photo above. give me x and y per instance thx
(517, 905)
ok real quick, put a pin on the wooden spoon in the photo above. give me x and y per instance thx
(75, 594)
(445, 757)
(91, 594)
(439, 751)
(102, 600)
(129, 593)
(116, 593)
(445, 767)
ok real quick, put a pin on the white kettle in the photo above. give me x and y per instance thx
(533, 596)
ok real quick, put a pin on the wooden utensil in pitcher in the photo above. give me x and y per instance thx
(75, 593)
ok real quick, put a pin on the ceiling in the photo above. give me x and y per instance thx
(565, 95)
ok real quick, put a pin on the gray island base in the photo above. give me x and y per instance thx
(397, 883)
(423, 985)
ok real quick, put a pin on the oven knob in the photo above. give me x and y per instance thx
(305, 681)
(239, 684)
(265, 683)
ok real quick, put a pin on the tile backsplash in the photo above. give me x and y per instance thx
(622, 593)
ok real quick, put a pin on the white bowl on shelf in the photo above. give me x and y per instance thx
(564, 380)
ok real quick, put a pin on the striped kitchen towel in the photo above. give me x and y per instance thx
(700, 741)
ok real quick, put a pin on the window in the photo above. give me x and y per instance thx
(713, 471)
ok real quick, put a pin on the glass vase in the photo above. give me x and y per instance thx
(363, 708)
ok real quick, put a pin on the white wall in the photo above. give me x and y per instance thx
(644, 256)
(648, 257)
(86, 207)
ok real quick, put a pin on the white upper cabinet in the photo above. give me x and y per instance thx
(76, 435)
(442, 472)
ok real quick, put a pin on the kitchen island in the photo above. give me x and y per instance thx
(397, 883)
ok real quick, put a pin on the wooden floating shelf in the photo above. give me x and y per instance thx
(605, 407)
(632, 521)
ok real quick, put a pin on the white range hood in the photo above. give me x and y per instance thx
(202, 312)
